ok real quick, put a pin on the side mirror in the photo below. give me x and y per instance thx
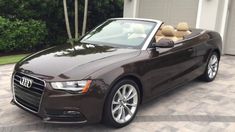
(164, 43)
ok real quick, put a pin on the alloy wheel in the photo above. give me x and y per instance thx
(124, 103)
(213, 66)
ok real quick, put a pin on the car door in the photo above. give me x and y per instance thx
(170, 67)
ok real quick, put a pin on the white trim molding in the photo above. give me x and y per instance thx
(135, 9)
(224, 23)
(224, 18)
(131, 8)
(199, 12)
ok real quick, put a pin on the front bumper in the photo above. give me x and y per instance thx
(58, 117)
(63, 107)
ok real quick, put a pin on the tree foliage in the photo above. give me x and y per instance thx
(51, 12)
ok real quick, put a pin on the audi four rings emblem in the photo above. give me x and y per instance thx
(26, 82)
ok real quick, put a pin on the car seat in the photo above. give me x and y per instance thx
(182, 30)
(138, 32)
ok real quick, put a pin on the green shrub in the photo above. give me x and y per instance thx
(21, 35)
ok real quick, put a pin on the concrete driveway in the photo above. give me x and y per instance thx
(197, 106)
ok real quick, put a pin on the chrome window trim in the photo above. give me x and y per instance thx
(152, 34)
(14, 98)
(140, 19)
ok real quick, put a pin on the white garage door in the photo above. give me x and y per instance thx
(230, 39)
(170, 11)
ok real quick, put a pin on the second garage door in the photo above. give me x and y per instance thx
(170, 11)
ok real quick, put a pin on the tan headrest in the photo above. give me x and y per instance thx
(138, 29)
(168, 30)
(183, 26)
(162, 26)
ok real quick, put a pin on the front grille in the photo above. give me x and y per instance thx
(29, 98)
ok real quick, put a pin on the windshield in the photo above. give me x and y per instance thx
(120, 33)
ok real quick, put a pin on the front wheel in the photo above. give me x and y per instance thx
(212, 68)
(122, 103)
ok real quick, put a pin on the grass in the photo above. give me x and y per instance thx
(11, 59)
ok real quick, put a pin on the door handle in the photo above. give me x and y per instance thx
(190, 50)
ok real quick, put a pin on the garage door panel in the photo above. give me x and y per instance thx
(170, 11)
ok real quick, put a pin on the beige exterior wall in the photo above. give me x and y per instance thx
(170, 11)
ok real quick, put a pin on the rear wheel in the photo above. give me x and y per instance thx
(212, 68)
(122, 103)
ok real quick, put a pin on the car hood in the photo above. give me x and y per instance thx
(72, 63)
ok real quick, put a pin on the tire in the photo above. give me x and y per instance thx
(211, 68)
(120, 110)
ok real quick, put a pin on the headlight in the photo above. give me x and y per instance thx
(73, 86)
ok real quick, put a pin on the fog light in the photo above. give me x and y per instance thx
(71, 113)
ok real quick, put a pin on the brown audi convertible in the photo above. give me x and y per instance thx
(113, 69)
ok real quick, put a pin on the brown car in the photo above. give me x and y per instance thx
(112, 70)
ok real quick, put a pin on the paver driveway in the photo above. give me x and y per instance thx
(197, 106)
